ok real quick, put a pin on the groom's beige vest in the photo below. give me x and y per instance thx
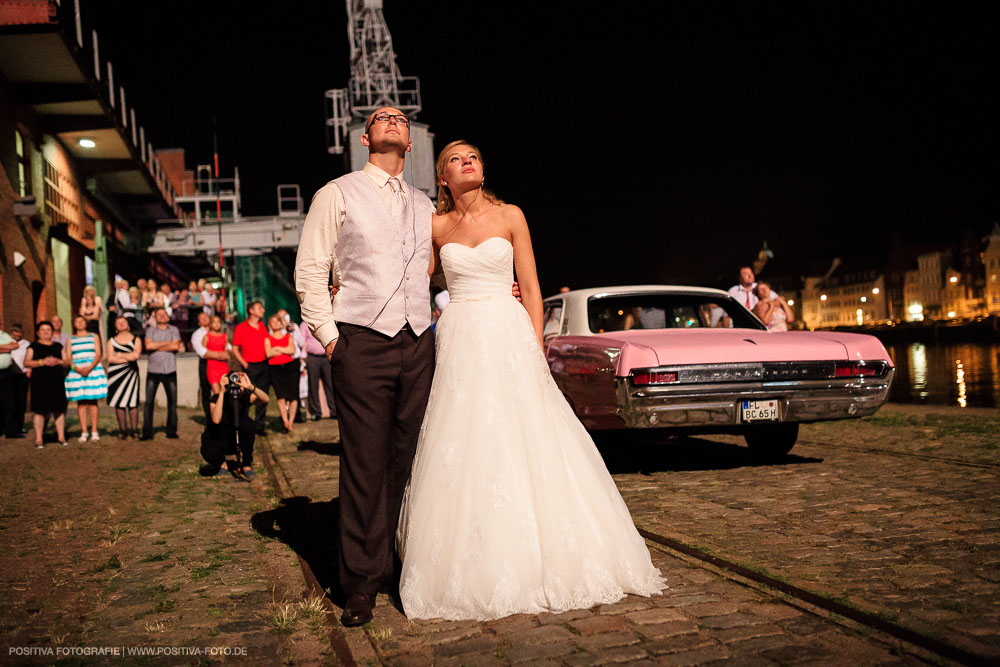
(383, 259)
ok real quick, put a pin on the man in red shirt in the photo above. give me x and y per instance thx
(248, 348)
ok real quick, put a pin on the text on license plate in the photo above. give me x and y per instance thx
(756, 411)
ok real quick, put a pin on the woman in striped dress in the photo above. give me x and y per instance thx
(123, 351)
(85, 383)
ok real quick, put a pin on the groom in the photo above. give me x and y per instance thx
(374, 230)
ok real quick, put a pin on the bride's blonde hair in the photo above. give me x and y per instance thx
(445, 201)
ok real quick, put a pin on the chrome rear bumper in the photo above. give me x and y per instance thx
(708, 405)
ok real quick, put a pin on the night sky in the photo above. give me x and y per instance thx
(644, 143)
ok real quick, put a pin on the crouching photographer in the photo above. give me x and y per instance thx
(230, 430)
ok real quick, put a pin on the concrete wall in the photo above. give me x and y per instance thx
(187, 382)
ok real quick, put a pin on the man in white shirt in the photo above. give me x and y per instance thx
(20, 376)
(11, 429)
(373, 230)
(198, 345)
(208, 297)
(744, 290)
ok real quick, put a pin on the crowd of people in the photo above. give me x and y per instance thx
(84, 367)
(138, 303)
(272, 351)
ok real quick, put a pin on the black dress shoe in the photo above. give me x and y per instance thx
(358, 610)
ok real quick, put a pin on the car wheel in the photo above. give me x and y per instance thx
(771, 440)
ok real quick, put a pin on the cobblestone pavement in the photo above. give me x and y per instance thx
(909, 539)
(123, 544)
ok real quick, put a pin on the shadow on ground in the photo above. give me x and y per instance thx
(321, 447)
(648, 453)
(310, 529)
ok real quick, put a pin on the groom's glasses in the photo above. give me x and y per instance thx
(398, 118)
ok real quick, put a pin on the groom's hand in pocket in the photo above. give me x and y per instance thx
(329, 349)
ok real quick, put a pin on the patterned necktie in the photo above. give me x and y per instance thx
(748, 300)
(398, 202)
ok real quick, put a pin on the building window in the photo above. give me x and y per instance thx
(23, 184)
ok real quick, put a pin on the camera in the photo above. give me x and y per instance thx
(233, 388)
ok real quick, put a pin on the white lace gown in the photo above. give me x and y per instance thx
(510, 508)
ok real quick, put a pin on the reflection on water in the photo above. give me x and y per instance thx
(960, 381)
(918, 368)
(963, 374)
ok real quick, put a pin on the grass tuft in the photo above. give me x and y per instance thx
(281, 616)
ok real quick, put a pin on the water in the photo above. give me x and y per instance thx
(962, 374)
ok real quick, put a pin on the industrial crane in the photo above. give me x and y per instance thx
(376, 82)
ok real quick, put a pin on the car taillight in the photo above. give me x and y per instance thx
(654, 377)
(853, 369)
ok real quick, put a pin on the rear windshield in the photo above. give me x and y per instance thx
(621, 312)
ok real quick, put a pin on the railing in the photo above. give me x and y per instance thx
(178, 223)
(61, 198)
(192, 187)
(74, 24)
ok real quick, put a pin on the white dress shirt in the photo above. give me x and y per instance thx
(740, 294)
(18, 354)
(318, 251)
(197, 341)
(745, 295)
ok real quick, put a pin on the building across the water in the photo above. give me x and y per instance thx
(852, 299)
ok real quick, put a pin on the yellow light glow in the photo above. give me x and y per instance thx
(791, 302)
(87, 143)
(875, 290)
(953, 279)
(960, 381)
(822, 297)
(864, 299)
(621, 312)
(861, 316)
(951, 313)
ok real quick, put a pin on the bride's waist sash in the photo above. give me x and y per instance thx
(464, 297)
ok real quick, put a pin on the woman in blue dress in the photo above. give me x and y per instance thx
(86, 382)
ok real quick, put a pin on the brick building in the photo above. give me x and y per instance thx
(81, 186)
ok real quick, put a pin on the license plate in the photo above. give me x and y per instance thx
(759, 411)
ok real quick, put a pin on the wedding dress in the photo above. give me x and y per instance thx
(509, 508)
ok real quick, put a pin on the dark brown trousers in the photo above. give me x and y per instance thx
(380, 386)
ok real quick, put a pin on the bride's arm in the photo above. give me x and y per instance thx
(524, 264)
(434, 270)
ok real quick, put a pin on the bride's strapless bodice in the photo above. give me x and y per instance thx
(479, 272)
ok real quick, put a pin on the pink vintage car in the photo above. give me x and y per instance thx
(695, 360)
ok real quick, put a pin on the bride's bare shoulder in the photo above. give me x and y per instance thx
(512, 216)
(441, 224)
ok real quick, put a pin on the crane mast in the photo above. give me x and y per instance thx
(375, 77)
(375, 82)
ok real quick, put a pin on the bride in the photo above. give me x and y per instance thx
(510, 508)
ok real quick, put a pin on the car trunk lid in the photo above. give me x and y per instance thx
(721, 346)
